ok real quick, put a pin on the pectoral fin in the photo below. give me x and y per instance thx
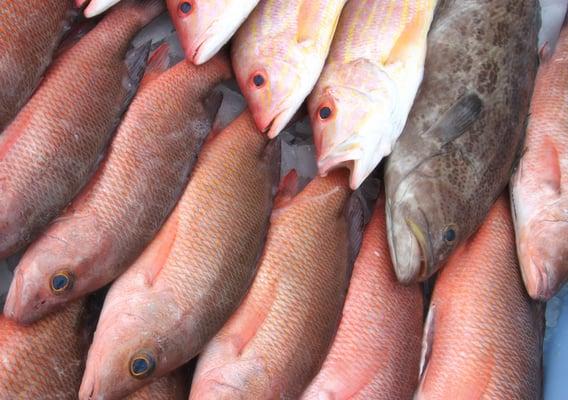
(458, 119)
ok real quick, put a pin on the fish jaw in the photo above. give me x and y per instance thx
(205, 30)
(285, 85)
(97, 7)
(543, 255)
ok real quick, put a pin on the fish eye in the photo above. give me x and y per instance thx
(61, 282)
(142, 365)
(450, 235)
(258, 80)
(325, 112)
(186, 7)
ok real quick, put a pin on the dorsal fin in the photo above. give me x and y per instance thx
(457, 120)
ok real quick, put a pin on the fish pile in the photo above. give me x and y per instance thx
(168, 248)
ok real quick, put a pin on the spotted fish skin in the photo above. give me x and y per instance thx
(376, 352)
(125, 204)
(31, 30)
(44, 360)
(204, 26)
(278, 55)
(465, 131)
(276, 341)
(483, 336)
(193, 275)
(539, 188)
(53, 146)
(369, 82)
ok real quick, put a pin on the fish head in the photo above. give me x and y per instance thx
(202, 26)
(423, 227)
(125, 354)
(542, 250)
(273, 86)
(54, 272)
(354, 124)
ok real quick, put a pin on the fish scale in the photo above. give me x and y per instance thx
(368, 358)
(193, 275)
(43, 361)
(275, 342)
(148, 164)
(52, 147)
(32, 30)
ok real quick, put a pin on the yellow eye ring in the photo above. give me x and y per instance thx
(142, 365)
(61, 282)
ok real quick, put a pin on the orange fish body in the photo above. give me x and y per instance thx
(52, 147)
(44, 360)
(170, 387)
(376, 352)
(483, 337)
(539, 188)
(276, 341)
(30, 31)
(125, 204)
(186, 284)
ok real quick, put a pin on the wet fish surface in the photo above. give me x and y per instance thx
(539, 188)
(276, 341)
(364, 94)
(95, 7)
(278, 55)
(44, 360)
(53, 146)
(465, 131)
(204, 27)
(483, 335)
(31, 31)
(137, 186)
(173, 386)
(186, 284)
(376, 352)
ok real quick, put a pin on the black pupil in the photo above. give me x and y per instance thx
(60, 281)
(258, 80)
(185, 7)
(139, 366)
(450, 235)
(325, 112)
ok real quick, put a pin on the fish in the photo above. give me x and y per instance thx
(360, 103)
(138, 184)
(53, 146)
(278, 55)
(170, 387)
(204, 27)
(483, 335)
(276, 341)
(465, 132)
(163, 310)
(31, 31)
(539, 187)
(95, 7)
(376, 352)
(44, 360)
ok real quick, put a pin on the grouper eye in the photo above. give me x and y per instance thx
(61, 281)
(450, 235)
(142, 365)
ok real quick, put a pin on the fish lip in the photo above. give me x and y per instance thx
(275, 126)
(419, 270)
(539, 280)
(203, 52)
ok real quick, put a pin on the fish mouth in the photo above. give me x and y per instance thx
(206, 48)
(277, 124)
(98, 7)
(426, 249)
